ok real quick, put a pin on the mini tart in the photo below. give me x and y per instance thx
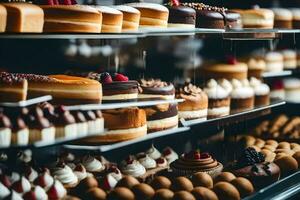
(195, 104)
(121, 125)
(112, 19)
(71, 19)
(228, 71)
(257, 18)
(152, 15)
(181, 16)
(12, 88)
(187, 165)
(131, 17)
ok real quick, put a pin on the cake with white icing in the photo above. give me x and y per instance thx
(262, 92)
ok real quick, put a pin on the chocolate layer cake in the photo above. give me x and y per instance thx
(181, 16)
(156, 89)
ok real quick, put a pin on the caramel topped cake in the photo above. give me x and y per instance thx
(195, 104)
(12, 87)
(195, 161)
(214, 17)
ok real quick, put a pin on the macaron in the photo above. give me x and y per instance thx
(182, 183)
(95, 193)
(160, 182)
(121, 193)
(143, 191)
(226, 191)
(204, 193)
(202, 179)
(243, 185)
(224, 176)
(128, 182)
(163, 194)
(183, 195)
(287, 165)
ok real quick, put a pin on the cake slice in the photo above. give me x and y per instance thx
(24, 17)
(12, 88)
(3, 18)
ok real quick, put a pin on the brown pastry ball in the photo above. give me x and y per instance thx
(202, 179)
(163, 194)
(286, 151)
(87, 183)
(143, 191)
(273, 143)
(256, 148)
(284, 145)
(204, 193)
(259, 143)
(297, 157)
(95, 193)
(121, 193)
(296, 149)
(243, 185)
(160, 182)
(71, 198)
(248, 141)
(287, 165)
(226, 191)
(182, 183)
(128, 182)
(269, 147)
(294, 145)
(224, 176)
(183, 195)
(280, 155)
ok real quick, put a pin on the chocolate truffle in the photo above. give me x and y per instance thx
(163, 194)
(96, 194)
(182, 183)
(224, 176)
(204, 193)
(226, 191)
(243, 185)
(202, 179)
(128, 182)
(287, 165)
(121, 193)
(143, 191)
(160, 182)
(183, 195)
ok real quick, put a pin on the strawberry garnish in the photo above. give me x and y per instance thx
(167, 151)
(17, 186)
(175, 2)
(231, 60)
(120, 77)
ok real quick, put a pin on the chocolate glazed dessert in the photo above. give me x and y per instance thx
(214, 17)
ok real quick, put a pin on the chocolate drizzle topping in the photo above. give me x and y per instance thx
(156, 86)
(189, 89)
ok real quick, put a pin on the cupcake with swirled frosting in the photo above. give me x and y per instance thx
(195, 104)
(132, 167)
(93, 165)
(194, 162)
(153, 153)
(262, 92)
(170, 155)
(218, 100)
(65, 175)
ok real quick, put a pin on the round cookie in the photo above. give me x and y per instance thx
(287, 165)
(204, 193)
(224, 176)
(128, 182)
(163, 194)
(243, 185)
(143, 191)
(183, 195)
(226, 191)
(202, 179)
(182, 183)
(121, 193)
(96, 194)
(160, 182)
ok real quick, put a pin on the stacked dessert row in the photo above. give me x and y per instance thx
(45, 123)
(281, 126)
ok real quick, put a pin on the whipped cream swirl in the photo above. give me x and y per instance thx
(45, 180)
(80, 172)
(147, 162)
(215, 91)
(241, 90)
(65, 175)
(170, 155)
(134, 169)
(59, 191)
(92, 164)
(259, 87)
(153, 153)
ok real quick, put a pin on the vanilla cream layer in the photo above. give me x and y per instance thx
(121, 97)
(193, 114)
(82, 129)
(96, 126)
(127, 131)
(46, 134)
(290, 64)
(147, 96)
(163, 123)
(257, 21)
(5, 137)
(292, 95)
(220, 111)
(181, 25)
(274, 66)
(22, 137)
(68, 131)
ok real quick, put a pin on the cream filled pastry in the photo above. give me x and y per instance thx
(274, 61)
(65, 124)
(132, 167)
(195, 104)
(153, 153)
(256, 66)
(242, 96)
(95, 124)
(20, 131)
(80, 172)
(93, 165)
(262, 92)
(65, 175)
(30, 174)
(218, 100)
(194, 162)
(152, 15)
(21, 186)
(81, 123)
(289, 59)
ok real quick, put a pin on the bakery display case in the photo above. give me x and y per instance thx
(149, 101)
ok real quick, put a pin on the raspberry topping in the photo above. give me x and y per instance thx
(29, 196)
(193, 155)
(175, 2)
(205, 155)
(160, 161)
(167, 151)
(5, 181)
(106, 78)
(231, 60)
(120, 77)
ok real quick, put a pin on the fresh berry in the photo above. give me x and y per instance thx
(106, 78)
(67, 2)
(74, 2)
(129, 160)
(160, 161)
(197, 155)
(52, 193)
(5, 181)
(175, 2)
(250, 157)
(79, 168)
(231, 60)
(105, 184)
(167, 151)
(120, 77)
(29, 196)
(17, 186)
(205, 155)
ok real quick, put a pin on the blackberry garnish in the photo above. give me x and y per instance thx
(249, 157)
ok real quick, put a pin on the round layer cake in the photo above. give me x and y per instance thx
(131, 17)
(181, 16)
(194, 162)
